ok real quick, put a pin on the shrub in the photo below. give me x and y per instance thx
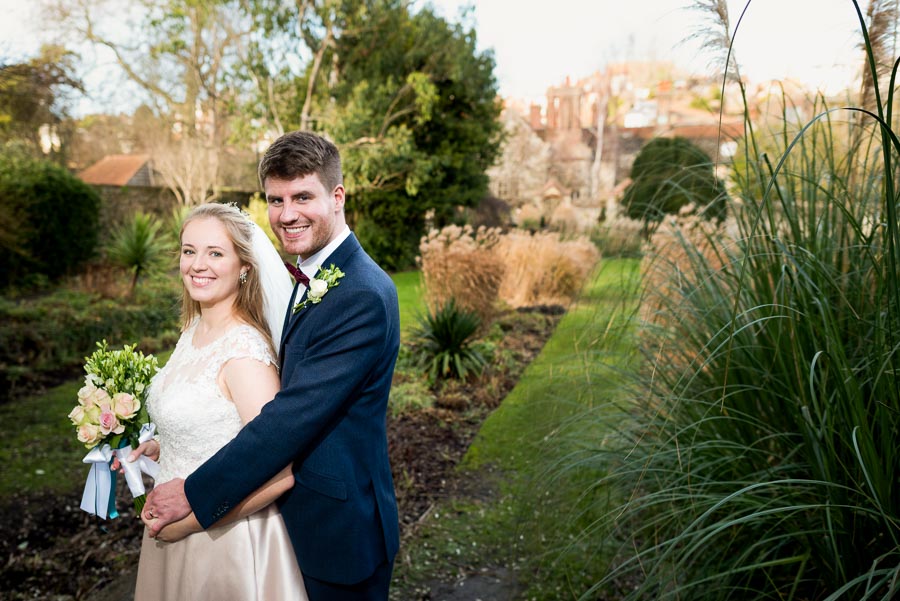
(530, 217)
(459, 263)
(543, 268)
(669, 173)
(490, 212)
(50, 220)
(139, 246)
(681, 251)
(621, 237)
(409, 393)
(51, 335)
(389, 238)
(564, 219)
(442, 343)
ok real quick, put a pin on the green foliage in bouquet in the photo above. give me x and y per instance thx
(112, 404)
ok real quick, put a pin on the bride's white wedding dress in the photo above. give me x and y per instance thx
(250, 559)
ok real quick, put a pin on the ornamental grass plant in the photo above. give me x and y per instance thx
(139, 245)
(443, 340)
(760, 457)
(544, 268)
(458, 263)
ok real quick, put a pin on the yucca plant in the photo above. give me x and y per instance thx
(443, 342)
(138, 245)
(761, 459)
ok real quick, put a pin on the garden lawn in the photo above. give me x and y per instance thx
(409, 291)
(519, 509)
(40, 451)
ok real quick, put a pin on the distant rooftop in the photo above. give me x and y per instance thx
(119, 170)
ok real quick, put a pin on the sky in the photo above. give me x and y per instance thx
(537, 43)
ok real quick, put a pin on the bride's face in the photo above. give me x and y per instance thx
(210, 266)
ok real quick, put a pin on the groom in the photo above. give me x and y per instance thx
(338, 353)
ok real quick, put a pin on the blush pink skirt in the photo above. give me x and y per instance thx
(248, 560)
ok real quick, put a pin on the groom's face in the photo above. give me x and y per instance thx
(303, 213)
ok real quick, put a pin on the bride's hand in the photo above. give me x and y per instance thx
(149, 448)
(177, 530)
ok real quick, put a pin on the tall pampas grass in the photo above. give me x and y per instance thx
(543, 268)
(459, 263)
(481, 268)
(759, 459)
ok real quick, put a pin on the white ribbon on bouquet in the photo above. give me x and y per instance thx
(99, 489)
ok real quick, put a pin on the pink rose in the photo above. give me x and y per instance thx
(89, 434)
(109, 422)
(125, 405)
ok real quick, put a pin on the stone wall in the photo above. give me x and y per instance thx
(121, 202)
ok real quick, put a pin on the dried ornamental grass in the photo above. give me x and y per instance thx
(529, 216)
(542, 268)
(670, 260)
(460, 263)
(564, 218)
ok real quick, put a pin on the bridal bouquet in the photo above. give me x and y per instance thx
(111, 419)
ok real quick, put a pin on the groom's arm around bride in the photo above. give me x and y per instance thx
(338, 354)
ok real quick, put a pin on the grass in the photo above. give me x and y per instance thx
(40, 452)
(524, 523)
(409, 291)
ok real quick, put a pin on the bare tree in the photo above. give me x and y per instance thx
(184, 56)
(524, 165)
(188, 166)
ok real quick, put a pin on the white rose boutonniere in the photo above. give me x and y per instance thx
(325, 280)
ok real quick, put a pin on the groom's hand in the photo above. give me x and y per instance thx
(166, 503)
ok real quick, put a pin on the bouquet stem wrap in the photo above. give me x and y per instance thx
(99, 490)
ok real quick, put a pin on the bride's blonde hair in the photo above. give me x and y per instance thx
(249, 303)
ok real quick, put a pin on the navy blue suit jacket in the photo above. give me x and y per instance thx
(329, 420)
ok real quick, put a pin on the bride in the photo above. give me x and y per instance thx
(222, 372)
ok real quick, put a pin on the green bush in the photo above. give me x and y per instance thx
(391, 240)
(49, 218)
(442, 343)
(669, 173)
(44, 338)
(409, 394)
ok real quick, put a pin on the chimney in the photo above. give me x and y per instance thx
(534, 116)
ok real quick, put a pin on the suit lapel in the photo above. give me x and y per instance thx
(287, 320)
(339, 259)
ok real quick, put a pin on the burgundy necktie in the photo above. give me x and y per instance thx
(298, 275)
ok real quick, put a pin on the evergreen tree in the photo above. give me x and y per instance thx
(669, 173)
(415, 112)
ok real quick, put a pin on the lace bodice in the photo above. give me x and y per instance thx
(194, 419)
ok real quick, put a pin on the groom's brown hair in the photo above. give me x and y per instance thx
(301, 153)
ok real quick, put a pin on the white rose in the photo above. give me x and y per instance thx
(77, 415)
(89, 434)
(317, 289)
